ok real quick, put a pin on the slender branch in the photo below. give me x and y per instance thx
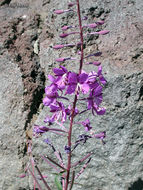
(54, 162)
(52, 165)
(39, 186)
(72, 180)
(75, 98)
(47, 186)
(80, 161)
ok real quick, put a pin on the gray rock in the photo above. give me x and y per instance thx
(117, 164)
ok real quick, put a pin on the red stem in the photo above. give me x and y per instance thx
(75, 99)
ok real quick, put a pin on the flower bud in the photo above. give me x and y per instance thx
(94, 63)
(93, 25)
(60, 59)
(71, 4)
(103, 32)
(66, 27)
(58, 46)
(64, 35)
(59, 11)
(62, 11)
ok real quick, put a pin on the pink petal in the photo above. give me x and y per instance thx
(83, 77)
(85, 88)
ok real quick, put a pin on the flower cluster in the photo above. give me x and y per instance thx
(64, 83)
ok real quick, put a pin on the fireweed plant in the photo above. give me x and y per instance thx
(86, 87)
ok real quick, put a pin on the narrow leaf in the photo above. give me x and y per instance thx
(45, 183)
(39, 186)
(72, 180)
(58, 183)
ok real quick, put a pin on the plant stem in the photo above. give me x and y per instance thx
(75, 98)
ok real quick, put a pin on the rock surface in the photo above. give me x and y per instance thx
(28, 31)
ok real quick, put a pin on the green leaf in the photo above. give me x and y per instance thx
(58, 183)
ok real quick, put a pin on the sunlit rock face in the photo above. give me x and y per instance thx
(28, 31)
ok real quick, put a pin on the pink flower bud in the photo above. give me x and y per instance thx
(62, 46)
(71, 4)
(59, 11)
(65, 58)
(94, 63)
(100, 22)
(60, 59)
(65, 27)
(69, 45)
(58, 46)
(62, 11)
(93, 25)
(64, 35)
(22, 175)
(103, 32)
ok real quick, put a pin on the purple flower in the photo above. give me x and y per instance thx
(51, 94)
(95, 78)
(67, 149)
(95, 99)
(86, 125)
(100, 76)
(39, 130)
(100, 136)
(82, 139)
(59, 112)
(77, 82)
(47, 141)
(69, 111)
(61, 77)
(95, 96)
(49, 120)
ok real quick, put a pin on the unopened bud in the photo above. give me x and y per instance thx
(62, 11)
(58, 46)
(100, 22)
(103, 32)
(64, 35)
(60, 59)
(94, 63)
(71, 4)
(62, 46)
(66, 27)
(59, 11)
(85, 18)
(94, 25)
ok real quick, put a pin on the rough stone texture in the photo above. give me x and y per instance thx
(28, 31)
